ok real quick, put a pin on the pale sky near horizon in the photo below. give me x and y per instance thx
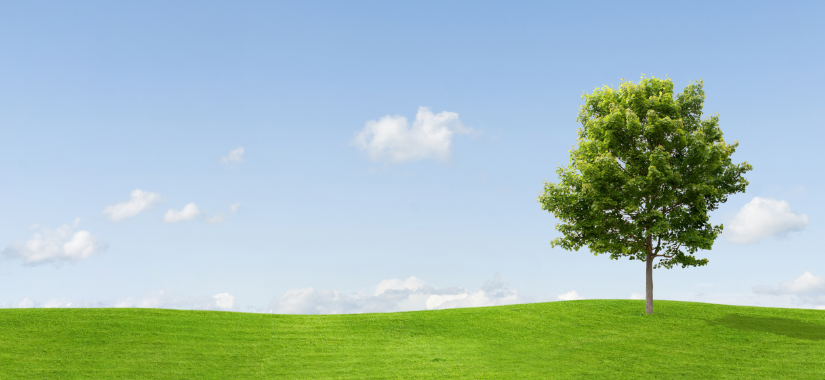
(328, 157)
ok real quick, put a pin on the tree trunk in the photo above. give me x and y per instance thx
(649, 287)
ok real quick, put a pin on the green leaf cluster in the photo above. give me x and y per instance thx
(645, 173)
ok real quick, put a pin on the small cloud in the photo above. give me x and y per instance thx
(59, 245)
(637, 296)
(189, 212)
(762, 218)
(392, 139)
(570, 296)
(26, 303)
(236, 155)
(140, 200)
(234, 207)
(34, 226)
(225, 301)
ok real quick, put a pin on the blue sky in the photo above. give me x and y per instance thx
(100, 99)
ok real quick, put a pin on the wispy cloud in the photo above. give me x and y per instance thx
(392, 139)
(570, 296)
(762, 218)
(235, 155)
(157, 300)
(26, 303)
(218, 219)
(393, 295)
(808, 288)
(140, 200)
(62, 244)
(189, 212)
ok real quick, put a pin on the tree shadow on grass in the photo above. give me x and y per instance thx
(782, 326)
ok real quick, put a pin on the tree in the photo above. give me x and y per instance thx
(645, 173)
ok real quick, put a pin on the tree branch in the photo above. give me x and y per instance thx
(658, 244)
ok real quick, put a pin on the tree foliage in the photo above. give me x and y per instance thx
(645, 173)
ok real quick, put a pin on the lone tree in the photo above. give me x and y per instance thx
(646, 171)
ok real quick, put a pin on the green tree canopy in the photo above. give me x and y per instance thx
(645, 173)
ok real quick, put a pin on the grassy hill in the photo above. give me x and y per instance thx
(592, 339)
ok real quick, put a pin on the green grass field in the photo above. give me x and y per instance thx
(592, 339)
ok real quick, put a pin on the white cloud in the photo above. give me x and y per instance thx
(807, 283)
(411, 283)
(236, 155)
(140, 200)
(234, 207)
(391, 138)
(54, 303)
(393, 295)
(189, 212)
(808, 288)
(637, 296)
(157, 300)
(805, 291)
(761, 218)
(570, 296)
(312, 301)
(26, 303)
(61, 244)
(225, 301)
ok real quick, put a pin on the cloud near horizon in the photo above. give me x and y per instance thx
(762, 218)
(157, 300)
(393, 295)
(62, 244)
(807, 288)
(570, 296)
(392, 139)
(139, 200)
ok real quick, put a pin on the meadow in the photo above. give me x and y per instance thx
(589, 339)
